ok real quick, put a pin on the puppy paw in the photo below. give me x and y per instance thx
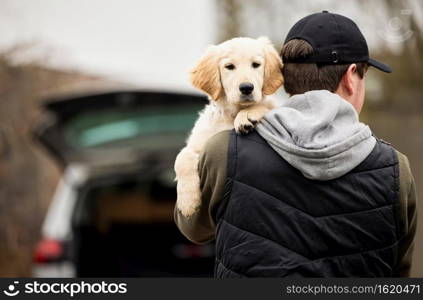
(247, 119)
(243, 124)
(256, 113)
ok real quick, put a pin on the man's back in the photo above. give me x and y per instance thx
(279, 223)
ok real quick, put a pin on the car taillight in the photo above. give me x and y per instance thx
(48, 250)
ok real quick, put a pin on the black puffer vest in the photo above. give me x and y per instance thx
(274, 222)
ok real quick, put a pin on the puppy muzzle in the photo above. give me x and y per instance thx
(246, 99)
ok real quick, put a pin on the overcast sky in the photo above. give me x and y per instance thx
(149, 43)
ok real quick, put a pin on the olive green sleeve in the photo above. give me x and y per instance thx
(200, 228)
(408, 216)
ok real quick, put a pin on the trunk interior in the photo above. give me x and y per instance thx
(127, 229)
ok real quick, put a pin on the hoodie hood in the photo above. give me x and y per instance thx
(319, 134)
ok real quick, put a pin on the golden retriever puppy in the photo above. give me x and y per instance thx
(237, 75)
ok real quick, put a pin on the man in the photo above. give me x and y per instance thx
(312, 192)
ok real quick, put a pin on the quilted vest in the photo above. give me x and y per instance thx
(274, 222)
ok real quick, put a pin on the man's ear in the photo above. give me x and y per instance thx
(273, 78)
(206, 76)
(347, 81)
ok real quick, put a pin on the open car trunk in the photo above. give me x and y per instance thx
(122, 220)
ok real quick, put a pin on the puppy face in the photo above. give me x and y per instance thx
(240, 71)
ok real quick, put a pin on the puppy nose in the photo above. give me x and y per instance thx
(246, 88)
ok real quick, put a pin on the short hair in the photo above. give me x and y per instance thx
(303, 77)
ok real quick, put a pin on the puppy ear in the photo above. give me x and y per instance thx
(206, 76)
(273, 78)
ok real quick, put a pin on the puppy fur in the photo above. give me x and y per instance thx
(220, 73)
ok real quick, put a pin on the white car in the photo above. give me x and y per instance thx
(112, 213)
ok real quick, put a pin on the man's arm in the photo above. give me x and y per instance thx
(408, 216)
(200, 228)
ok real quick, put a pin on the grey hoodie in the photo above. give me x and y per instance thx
(319, 134)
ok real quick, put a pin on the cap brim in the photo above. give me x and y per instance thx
(379, 65)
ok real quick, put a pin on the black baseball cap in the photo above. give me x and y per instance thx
(335, 40)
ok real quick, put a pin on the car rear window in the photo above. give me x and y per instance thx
(147, 126)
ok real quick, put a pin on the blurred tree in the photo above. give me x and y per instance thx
(229, 19)
(402, 90)
(27, 177)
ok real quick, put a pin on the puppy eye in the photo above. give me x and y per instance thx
(230, 66)
(255, 65)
